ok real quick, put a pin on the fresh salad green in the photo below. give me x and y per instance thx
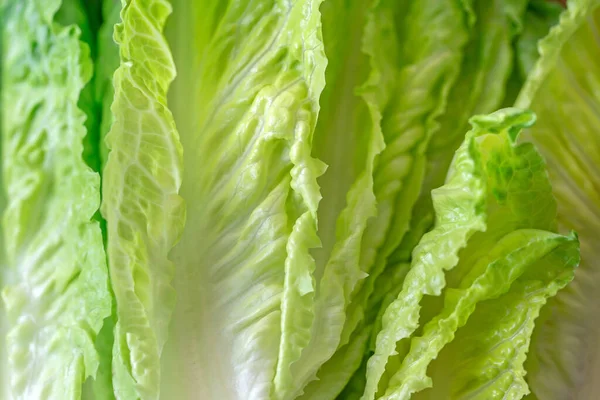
(299, 199)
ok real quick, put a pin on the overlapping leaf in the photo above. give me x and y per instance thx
(56, 292)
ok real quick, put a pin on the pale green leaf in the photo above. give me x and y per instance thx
(143, 211)
(56, 292)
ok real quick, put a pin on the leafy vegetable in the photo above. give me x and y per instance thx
(500, 228)
(299, 199)
(143, 211)
(565, 355)
(56, 292)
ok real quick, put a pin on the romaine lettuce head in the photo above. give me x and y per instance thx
(290, 199)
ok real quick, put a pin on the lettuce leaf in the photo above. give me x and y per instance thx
(349, 146)
(494, 223)
(56, 292)
(294, 212)
(408, 85)
(73, 12)
(492, 346)
(245, 279)
(563, 90)
(143, 211)
(423, 75)
(479, 88)
(107, 62)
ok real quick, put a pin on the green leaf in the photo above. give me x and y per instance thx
(479, 89)
(353, 76)
(539, 18)
(246, 105)
(418, 78)
(73, 12)
(106, 64)
(143, 211)
(485, 360)
(514, 254)
(336, 372)
(56, 292)
(400, 80)
(492, 222)
(563, 89)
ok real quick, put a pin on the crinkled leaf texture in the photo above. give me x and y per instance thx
(56, 292)
(246, 106)
(141, 205)
(243, 129)
(403, 89)
(493, 235)
(290, 280)
(563, 89)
